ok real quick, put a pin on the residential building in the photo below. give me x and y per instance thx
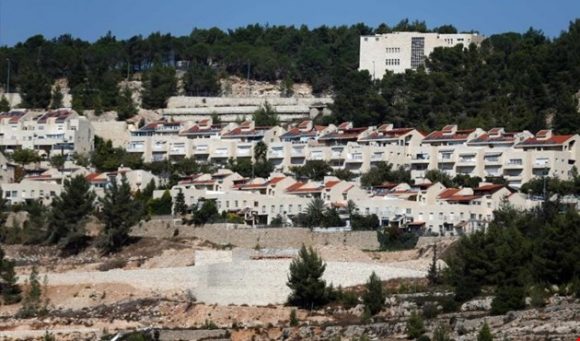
(400, 51)
(56, 132)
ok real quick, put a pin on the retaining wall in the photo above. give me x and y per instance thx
(251, 237)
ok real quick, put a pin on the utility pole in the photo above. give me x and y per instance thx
(8, 76)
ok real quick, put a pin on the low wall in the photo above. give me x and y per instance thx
(425, 241)
(264, 237)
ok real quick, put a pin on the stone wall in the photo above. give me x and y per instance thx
(264, 237)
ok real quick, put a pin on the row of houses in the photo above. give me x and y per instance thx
(424, 207)
(42, 182)
(515, 156)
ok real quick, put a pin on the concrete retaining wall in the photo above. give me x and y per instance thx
(264, 237)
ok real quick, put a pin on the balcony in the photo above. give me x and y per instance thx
(514, 164)
(135, 148)
(337, 154)
(177, 151)
(159, 147)
(377, 157)
(316, 155)
(297, 152)
(244, 152)
(276, 154)
(219, 153)
(354, 158)
(541, 164)
(201, 150)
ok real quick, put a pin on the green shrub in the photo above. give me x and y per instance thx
(415, 326)
(430, 310)
(293, 318)
(507, 298)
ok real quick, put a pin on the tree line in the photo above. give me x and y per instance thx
(518, 81)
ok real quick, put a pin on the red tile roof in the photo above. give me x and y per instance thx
(554, 140)
(441, 135)
(448, 193)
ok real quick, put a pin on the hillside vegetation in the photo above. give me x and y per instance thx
(520, 81)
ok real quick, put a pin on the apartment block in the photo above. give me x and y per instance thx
(400, 51)
(61, 131)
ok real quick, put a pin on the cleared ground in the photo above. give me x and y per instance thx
(223, 279)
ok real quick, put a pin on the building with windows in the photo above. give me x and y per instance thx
(51, 133)
(400, 51)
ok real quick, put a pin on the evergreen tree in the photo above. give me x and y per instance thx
(120, 211)
(266, 116)
(433, 272)
(201, 80)
(159, 84)
(126, 108)
(69, 212)
(208, 213)
(9, 288)
(57, 97)
(35, 89)
(313, 169)
(161, 206)
(374, 295)
(305, 280)
(485, 333)
(507, 298)
(32, 301)
(179, 206)
(4, 104)
(415, 326)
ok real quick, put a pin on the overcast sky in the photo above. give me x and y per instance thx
(90, 19)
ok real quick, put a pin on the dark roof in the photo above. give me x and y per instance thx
(554, 140)
(59, 115)
(442, 135)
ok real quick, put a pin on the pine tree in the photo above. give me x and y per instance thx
(4, 104)
(485, 333)
(126, 108)
(10, 290)
(305, 280)
(69, 212)
(374, 295)
(415, 326)
(57, 97)
(120, 211)
(179, 206)
(433, 272)
(32, 302)
(35, 89)
(159, 84)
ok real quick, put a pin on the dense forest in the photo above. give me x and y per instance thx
(519, 81)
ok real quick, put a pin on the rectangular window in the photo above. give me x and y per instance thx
(417, 51)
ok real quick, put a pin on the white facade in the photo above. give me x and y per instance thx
(51, 133)
(400, 51)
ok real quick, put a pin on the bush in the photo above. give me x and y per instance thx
(441, 333)
(393, 239)
(507, 298)
(305, 280)
(430, 310)
(374, 295)
(348, 299)
(415, 326)
(293, 318)
(484, 333)
(538, 296)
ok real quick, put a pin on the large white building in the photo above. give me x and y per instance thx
(51, 133)
(400, 51)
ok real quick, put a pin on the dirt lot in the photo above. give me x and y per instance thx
(180, 283)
